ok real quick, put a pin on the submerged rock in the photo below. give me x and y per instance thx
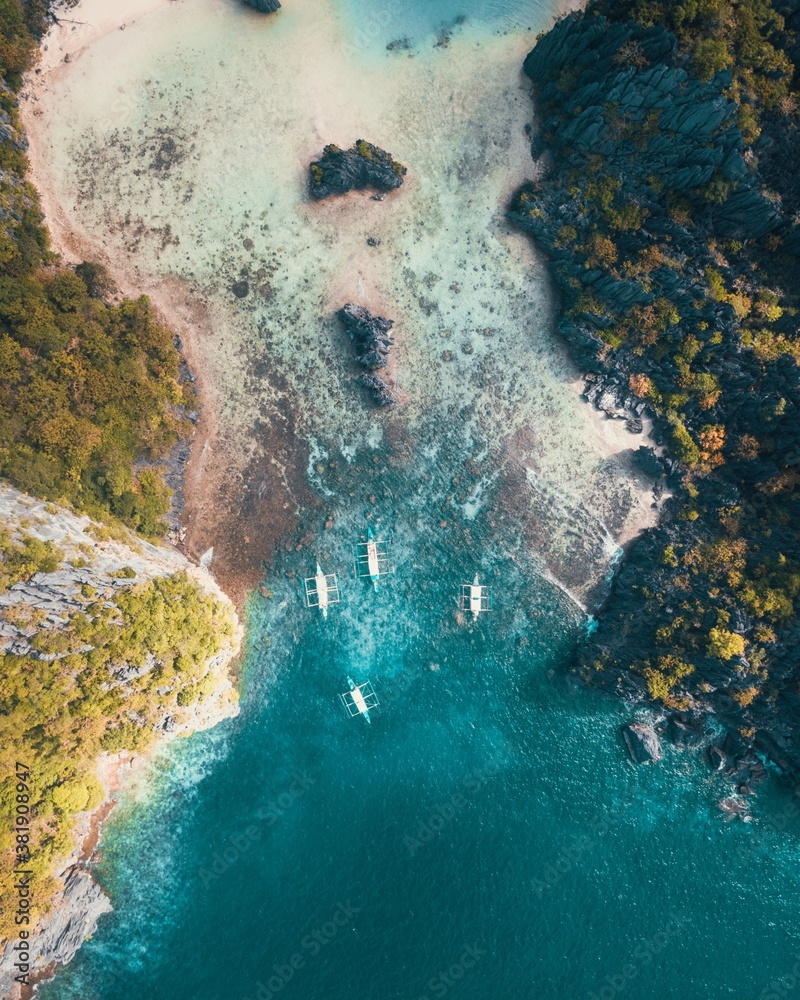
(265, 6)
(642, 742)
(685, 731)
(369, 333)
(363, 165)
(382, 393)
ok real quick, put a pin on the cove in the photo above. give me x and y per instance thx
(485, 835)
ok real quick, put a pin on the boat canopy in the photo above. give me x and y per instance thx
(475, 598)
(360, 699)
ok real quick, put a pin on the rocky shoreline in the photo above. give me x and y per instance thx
(670, 257)
(93, 562)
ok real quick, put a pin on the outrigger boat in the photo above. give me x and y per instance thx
(373, 558)
(360, 699)
(475, 598)
(322, 590)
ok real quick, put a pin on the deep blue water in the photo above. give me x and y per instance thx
(487, 817)
(484, 837)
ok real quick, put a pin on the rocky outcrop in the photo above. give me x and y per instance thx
(363, 165)
(265, 6)
(370, 336)
(56, 940)
(642, 742)
(671, 251)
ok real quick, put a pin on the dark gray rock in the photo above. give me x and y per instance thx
(369, 333)
(363, 165)
(265, 6)
(73, 919)
(642, 742)
(717, 758)
(380, 390)
(684, 731)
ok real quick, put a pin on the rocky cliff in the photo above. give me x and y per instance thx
(676, 264)
(108, 646)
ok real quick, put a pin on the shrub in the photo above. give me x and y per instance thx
(724, 644)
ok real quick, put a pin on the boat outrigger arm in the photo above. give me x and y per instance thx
(360, 699)
(322, 590)
(373, 558)
(475, 598)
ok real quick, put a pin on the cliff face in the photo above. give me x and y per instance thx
(677, 268)
(108, 646)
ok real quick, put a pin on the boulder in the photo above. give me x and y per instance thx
(265, 6)
(684, 731)
(363, 165)
(642, 742)
(369, 333)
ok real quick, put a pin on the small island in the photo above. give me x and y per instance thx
(363, 165)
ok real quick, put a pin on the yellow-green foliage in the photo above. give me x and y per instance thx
(20, 559)
(682, 441)
(58, 716)
(663, 679)
(85, 389)
(724, 34)
(724, 644)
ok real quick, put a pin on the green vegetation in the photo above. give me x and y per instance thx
(86, 389)
(60, 714)
(673, 227)
(746, 38)
(89, 400)
(20, 560)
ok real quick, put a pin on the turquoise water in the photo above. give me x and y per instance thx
(485, 836)
(376, 23)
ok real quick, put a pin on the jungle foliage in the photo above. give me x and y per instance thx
(87, 389)
(104, 681)
(670, 217)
